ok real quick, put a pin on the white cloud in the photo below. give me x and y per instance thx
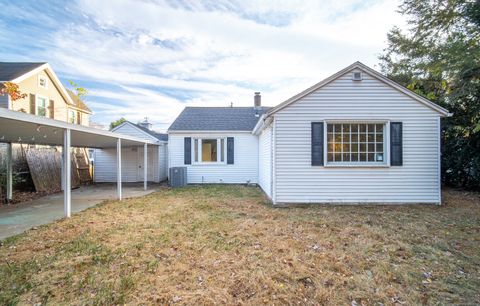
(168, 54)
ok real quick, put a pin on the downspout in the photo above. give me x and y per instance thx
(273, 172)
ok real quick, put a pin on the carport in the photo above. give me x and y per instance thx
(18, 127)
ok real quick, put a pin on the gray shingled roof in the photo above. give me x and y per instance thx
(217, 119)
(159, 136)
(78, 102)
(10, 71)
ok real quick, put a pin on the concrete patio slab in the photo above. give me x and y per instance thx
(17, 218)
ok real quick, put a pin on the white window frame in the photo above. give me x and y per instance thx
(359, 79)
(74, 116)
(199, 141)
(42, 77)
(360, 164)
(37, 98)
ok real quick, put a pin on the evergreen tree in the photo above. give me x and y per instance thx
(438, 57)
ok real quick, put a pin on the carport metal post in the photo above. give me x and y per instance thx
(67, 174)
(9, 173)
(145, 164)
(119, 169)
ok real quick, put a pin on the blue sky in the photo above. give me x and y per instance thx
(152, 58)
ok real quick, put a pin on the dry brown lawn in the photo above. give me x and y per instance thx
(228, 245)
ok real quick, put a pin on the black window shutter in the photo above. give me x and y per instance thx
(396, 149)
(317, 144)
(32, 104)
(187, 150)
(230, 150)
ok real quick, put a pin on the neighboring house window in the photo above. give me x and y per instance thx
(356, 143)
(209, 150)
(72, 116)
(41, 106)
(42, 81)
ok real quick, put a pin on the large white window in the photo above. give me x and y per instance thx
(41, 106)
(209, 150)
(356, 143)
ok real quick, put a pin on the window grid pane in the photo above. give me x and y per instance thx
(209, 150)
(355, 142)
(41, 107)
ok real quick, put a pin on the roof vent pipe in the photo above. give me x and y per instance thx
(145, 124)
(257, 101)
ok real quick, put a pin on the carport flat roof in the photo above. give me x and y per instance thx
(18, 127)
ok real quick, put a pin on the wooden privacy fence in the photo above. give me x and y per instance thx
(43, 165)
(45, 168)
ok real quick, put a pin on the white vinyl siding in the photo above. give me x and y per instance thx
(132, 165)
(132, 160)
(296, 180)
(244, 169)
(163, 162)
(265, 160)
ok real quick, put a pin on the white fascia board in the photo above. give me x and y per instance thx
(262, 124)
(371, 72)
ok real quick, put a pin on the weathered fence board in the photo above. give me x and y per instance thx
(42, 166)
(45, 168)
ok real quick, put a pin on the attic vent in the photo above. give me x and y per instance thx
(357, 76)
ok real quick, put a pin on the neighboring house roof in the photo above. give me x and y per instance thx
(17, 72)
(78, 102)
(159, 136)
(11, 71)
(373, 73)
(217, 119)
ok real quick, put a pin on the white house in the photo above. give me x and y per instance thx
(132, 157)
(355, 137)
(216, 144)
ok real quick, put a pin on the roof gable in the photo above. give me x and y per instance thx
(371, 72)
(22, 71)
(151, 134)
(217, 119)
(159, 136)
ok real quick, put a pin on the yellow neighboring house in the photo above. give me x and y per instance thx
(46, 95)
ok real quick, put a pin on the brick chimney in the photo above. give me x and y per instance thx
(257, 101)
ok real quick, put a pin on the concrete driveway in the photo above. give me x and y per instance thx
(17, 218)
